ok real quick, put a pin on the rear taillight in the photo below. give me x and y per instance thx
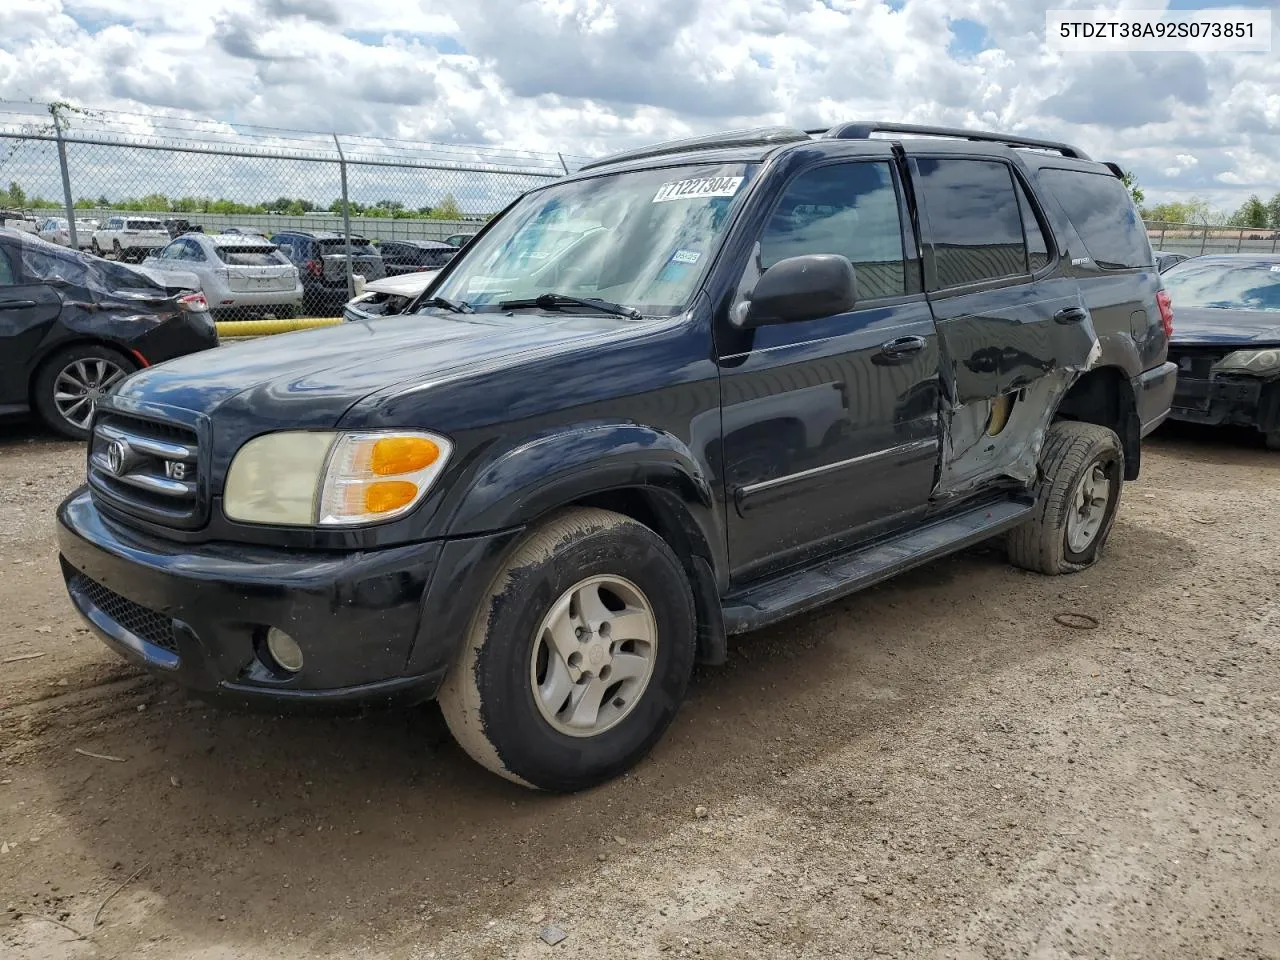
(315, 268)
(1166, 312)
(194, 303)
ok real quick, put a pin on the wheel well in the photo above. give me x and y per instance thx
(1104, 396)
(656, 513)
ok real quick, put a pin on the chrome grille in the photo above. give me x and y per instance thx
(147, 468)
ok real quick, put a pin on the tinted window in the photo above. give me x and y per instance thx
(1033, 229)
(1225, 285)
(1103, 214)
(7, 279)
(973, 214)
(144, 225)
(847, 208)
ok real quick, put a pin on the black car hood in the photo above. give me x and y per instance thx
(1206, 325)
(310, 379)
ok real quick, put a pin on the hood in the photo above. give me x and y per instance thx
(1207, 326)
(311, 378)
(403, 284)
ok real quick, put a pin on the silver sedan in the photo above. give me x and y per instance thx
(240, 275)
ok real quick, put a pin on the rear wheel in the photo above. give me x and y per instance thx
(93, 246)
(1273, 439)
(1081, 474)
(579, 657)
(69, 385)
(115, 248)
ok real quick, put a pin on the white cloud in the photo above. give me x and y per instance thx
(591, 76)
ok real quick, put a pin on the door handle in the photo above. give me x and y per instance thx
(16, 304)
(1071, 315)
(903, 347)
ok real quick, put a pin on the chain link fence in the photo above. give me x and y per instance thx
(269, 223)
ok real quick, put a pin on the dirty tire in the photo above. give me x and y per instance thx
(43, 386)
(1070, 450)
(487, 698)
(1273, 440)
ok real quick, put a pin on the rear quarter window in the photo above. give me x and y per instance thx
(1100, 208)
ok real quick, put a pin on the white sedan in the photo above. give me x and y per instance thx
(240, 275)
(56, 230)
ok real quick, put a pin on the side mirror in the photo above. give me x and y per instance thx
(802, 288)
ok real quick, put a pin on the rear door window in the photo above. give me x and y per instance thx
(1102, 212)
(974, 219)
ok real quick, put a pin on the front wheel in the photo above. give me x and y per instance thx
(579, 656)
(1081, 473)
(94, 248)
(115, 248)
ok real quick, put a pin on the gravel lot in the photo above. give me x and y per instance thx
(936, 768)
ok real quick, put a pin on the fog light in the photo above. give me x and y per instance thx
(284, 650)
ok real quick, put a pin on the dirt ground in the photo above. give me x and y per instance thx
(936, 768)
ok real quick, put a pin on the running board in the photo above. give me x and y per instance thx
(796, 592)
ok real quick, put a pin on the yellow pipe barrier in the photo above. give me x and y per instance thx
(260, 328)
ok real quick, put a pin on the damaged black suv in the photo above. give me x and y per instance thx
(684, 393)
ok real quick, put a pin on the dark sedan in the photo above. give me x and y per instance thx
(73, 326)
(412, 256)
(1226, 341)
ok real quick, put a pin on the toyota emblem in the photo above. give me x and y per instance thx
(117, 456)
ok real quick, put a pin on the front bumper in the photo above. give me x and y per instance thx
(369, 626)
(1246, 401)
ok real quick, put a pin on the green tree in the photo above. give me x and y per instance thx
(17, 197)
(448, 209)
(1135, 191)
(1251, 213)
(1273, 212)
(103, 201)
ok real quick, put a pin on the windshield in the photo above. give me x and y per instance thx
(1248, 285)
(250, 256)
(639, 239)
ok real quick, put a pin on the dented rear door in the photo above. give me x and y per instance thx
(1013, 331)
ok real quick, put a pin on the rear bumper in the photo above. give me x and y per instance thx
(1244, 401)
(223, 299)
(1153, 392)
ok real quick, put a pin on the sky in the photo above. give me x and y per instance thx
(587, 77)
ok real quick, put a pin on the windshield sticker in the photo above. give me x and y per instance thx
(698, 189)
(685, 256)
(1276, 268)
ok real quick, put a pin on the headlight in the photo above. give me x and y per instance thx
(332, 479)
(1250, 361)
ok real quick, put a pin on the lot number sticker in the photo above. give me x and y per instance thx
(697, 189)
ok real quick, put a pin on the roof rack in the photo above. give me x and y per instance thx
(863, 129)
(754, 137)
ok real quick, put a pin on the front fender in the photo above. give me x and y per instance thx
(540, 474)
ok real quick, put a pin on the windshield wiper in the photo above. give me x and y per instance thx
(453, 306)
(554, 301)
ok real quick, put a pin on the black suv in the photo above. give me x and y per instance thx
(413, 256)
(321, 259)
(770, 369)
